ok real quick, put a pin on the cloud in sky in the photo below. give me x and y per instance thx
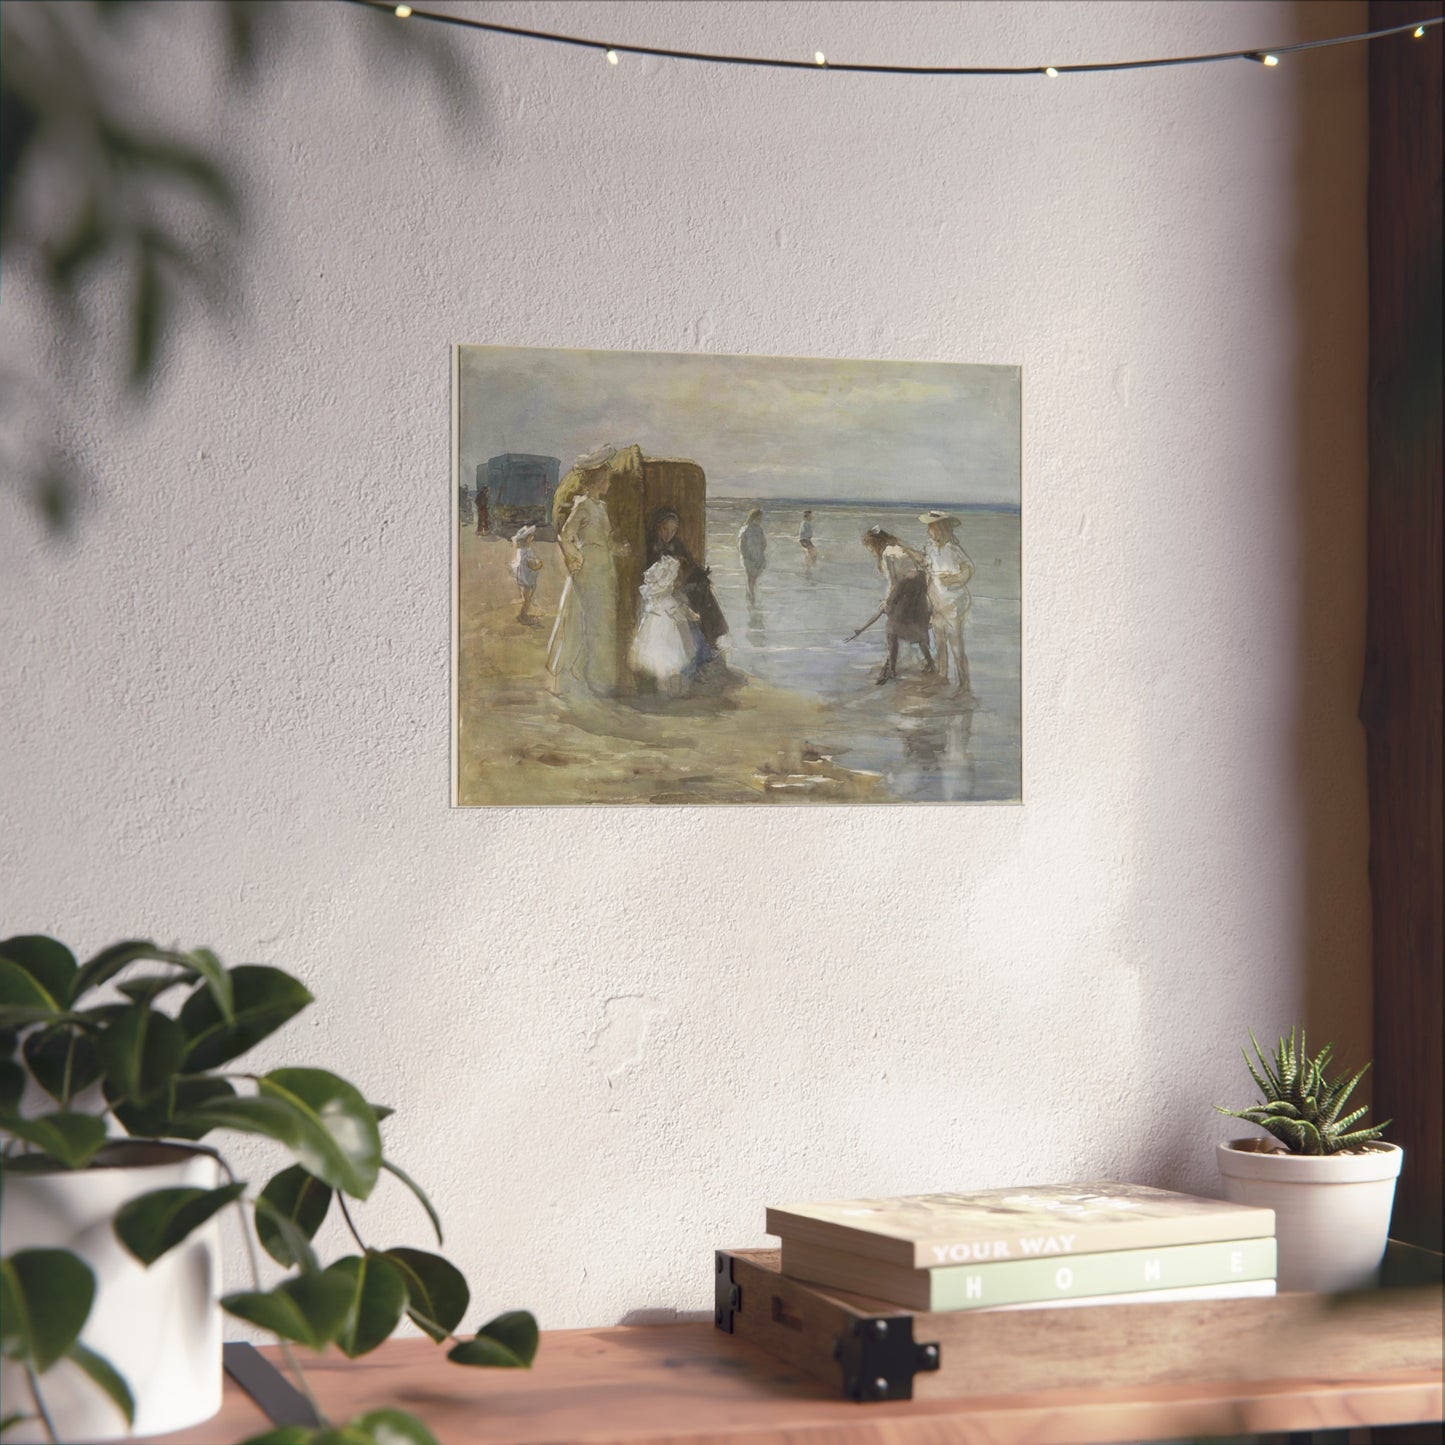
(759, 426)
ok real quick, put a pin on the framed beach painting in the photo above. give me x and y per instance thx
(689, 579)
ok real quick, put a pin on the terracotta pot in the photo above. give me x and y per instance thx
(160, 1327)
(1331, 1211)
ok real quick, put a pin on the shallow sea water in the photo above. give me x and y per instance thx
(929, 747)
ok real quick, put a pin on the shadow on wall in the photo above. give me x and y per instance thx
(1327, 911)
(92, 188)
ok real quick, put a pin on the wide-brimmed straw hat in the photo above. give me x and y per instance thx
(590, 460)
(524, 534)
(944, 519)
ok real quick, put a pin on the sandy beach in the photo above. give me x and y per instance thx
(518, 744)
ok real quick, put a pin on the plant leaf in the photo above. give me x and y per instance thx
(264, 998)
(298, 1197)
(141, 1051)
(104, 1374)
(437, 1293)
(378, 1296)
(269, 1117)
(23, 1000)
(141, 1121)
(416, 1189)
(281, 1116)
(340, 1143)
(151, 1224)
(50, 964)
(46, 1296)
(507, 1342)
(12, 1086)
(47, 1052)
(392, 1427)
(148, 313)
(187, 1094)
(210, 968)
(310, 1310)
(1360, 1136)
(296, 1243)
(109, 962)
(73, 1139)
(14, 1323)
(177, 160)
(148, 989)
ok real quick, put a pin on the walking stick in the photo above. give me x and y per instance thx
(866, 625)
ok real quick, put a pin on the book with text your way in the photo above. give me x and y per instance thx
(1172, 1271)
(992, 1226)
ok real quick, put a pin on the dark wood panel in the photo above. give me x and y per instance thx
(1401, 699)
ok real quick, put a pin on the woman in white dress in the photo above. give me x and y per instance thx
(582, 654)
(949, 571)
(664, 647)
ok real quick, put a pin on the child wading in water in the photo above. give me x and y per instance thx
(664, 647)
(525, 566)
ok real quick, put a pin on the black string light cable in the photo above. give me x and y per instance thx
(613, 51)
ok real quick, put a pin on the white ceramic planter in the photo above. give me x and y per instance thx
(160, 1327)
(1331, 1212)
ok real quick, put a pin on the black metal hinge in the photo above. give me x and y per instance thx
(727, 1296)
(280, 1401)
(880, 1358)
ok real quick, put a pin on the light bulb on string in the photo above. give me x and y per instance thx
(1260, 57)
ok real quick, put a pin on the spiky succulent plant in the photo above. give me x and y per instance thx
(1301, 1108)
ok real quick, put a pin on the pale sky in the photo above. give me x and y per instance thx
(759, 426)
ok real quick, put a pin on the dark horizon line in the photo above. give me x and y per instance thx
(941, 506)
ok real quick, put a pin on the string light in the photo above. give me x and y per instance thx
(1259, 55)
(612, 57)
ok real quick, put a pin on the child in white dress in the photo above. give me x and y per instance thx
(664, 648)
(525, 566)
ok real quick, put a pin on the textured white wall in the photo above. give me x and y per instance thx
(613, 1036)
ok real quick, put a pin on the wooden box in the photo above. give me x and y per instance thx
(871, 1350)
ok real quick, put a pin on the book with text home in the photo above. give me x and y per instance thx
(924, 1231)
(1245, 1289)
(1031, 1281)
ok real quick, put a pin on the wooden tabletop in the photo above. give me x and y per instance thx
(694, 1385)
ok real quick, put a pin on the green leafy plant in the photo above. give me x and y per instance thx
(171, 1075)
(1302, 1108)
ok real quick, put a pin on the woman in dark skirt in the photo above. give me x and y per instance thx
(906, 606)
(694, 582)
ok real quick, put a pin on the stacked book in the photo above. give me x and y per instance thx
(1031, 1247)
